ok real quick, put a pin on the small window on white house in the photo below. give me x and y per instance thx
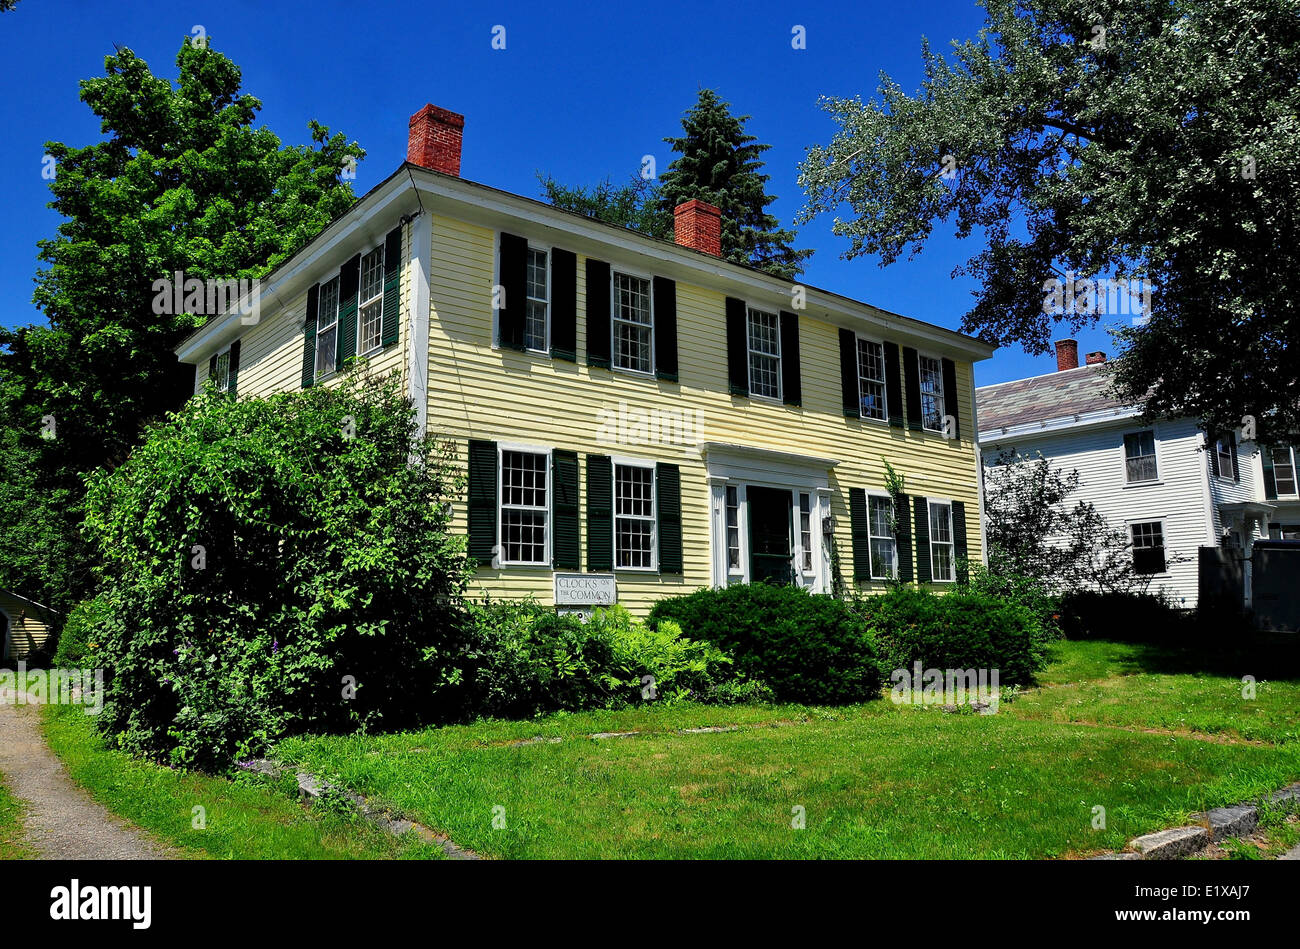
(1140, 456)
(805, 532)
(871, 379)
(1148, 547)
(1284, 470)
(634, 516)
(733, 530)
(525, 507)
(221, 375)
(884, 550)
(633, 324)
(370, 319)
(1227, 464)
(943, 559)
(932, 407)
(764, 354)
(327, 328)
(538, 304)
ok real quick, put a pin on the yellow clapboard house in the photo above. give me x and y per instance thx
(639, 417)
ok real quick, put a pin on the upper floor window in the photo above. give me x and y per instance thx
(221, 374)
(884, 550)
(871, 379)
(1227, 458)
(633, 324)
(1284, 469)
(535, 318)
(943, 562)
(370, 320)
(1140, 456)
(1148, 547)
(525, 507)
(764, 335)
(327, 328)
(932, 396)
(634, 516)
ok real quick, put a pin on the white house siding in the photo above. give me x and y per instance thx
(1177, 498)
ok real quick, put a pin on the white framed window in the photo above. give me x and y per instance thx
(1284, 478)
(537, 322)
(525, 506)
(871, 380)
(1227, 465)
(634, 516)
(221, 373)
(884, 549)
(1148, 546)
(327, 327)
(763, 331)
(633, 324)
(733, 530)
(932, 395)
(943, 557)
(1140, 457)
(805, 534)
(370, 313)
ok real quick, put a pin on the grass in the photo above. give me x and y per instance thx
(246, 818)
(11, 827)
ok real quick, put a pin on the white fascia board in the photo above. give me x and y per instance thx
(994, 436)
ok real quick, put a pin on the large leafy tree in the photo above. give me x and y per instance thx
(1082, 139)
(632, 205)
(182, 181)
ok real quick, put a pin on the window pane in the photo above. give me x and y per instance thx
(879, 516)
(805, 531)
(941, 561)
(632, 323)
(370, 330)
(372, 274)
(633, 516)
(535, 311)
(325, 351)
(871, 379)
(932, 407)
(1284, 471)
(524, 508)
(733, 530)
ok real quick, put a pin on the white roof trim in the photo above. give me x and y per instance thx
(993, 435)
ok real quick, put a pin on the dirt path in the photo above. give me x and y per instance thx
(61, 821)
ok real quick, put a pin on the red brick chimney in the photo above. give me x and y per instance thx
(699, 226)
(1096, 359)
(1067, 354)
(435, 139)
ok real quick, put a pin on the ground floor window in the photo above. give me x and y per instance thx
(1148, 547)
(943, 563)
(805, 533)
(634, 516)
(733, 529)
(525, 507)
(884, 549)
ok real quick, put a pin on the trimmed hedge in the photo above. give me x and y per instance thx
(806, 648)
(1126, 617)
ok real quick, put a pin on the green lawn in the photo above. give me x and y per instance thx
(873, 781)
(11, 828)
(246, 818)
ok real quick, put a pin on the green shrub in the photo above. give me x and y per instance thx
(806, 648)
(273, 566)
(1033, 593)
(961, 629)
(80, 641)
(1127, 617)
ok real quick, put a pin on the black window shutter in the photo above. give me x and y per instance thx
(392, 319)
(791, 380)
(893, 385)
(233, 388)
(921, 507)
(513, 274)
(665, 317)
(1232, 449)
(349, 281)
(309, 338)
(482, 501)
(912, 381)
(860, 531)
(668, 500)
(565, 542)
(212, 369)
(850, 387)
(737, 348)
(600, 513)
(950, 403)
(1212, 444)
(903, 537)
(959, 540)
(598, 319)
(1270, 478)
(564, 304)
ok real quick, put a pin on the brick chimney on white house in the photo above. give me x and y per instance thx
(699, 226)
(1096, 359)
(1067, 354)
(435, 139)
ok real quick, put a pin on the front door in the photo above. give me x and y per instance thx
(771, 551)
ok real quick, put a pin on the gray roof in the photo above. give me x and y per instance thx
(1057, 395)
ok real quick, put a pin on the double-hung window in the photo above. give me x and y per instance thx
(634, 516)
(943, 562)
(538, 303)
(764, 335)
(932, 395)
(1284, 470)
(370, 318)
(1140, 457)
(633, 324)
(221, 374)
(525, 507)
(884, 551)
(1148, 547)
(1227, 461)
(327, 328)
(871, 379)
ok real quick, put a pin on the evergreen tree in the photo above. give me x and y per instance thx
(719, 163)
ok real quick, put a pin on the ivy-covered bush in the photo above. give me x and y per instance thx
(961, 629)
(80, 640)
(806, 648)
(274, 566)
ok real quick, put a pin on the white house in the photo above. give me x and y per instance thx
(1166, 484)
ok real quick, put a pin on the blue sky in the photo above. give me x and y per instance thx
(581, 91)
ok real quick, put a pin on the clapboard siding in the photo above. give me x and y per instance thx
(29, 626)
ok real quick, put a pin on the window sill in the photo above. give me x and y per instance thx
(505, 564)
(1143, 484)
(645, 570)
(631, 372)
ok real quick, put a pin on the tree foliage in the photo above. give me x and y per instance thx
(633, 205)
(1094, 139)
